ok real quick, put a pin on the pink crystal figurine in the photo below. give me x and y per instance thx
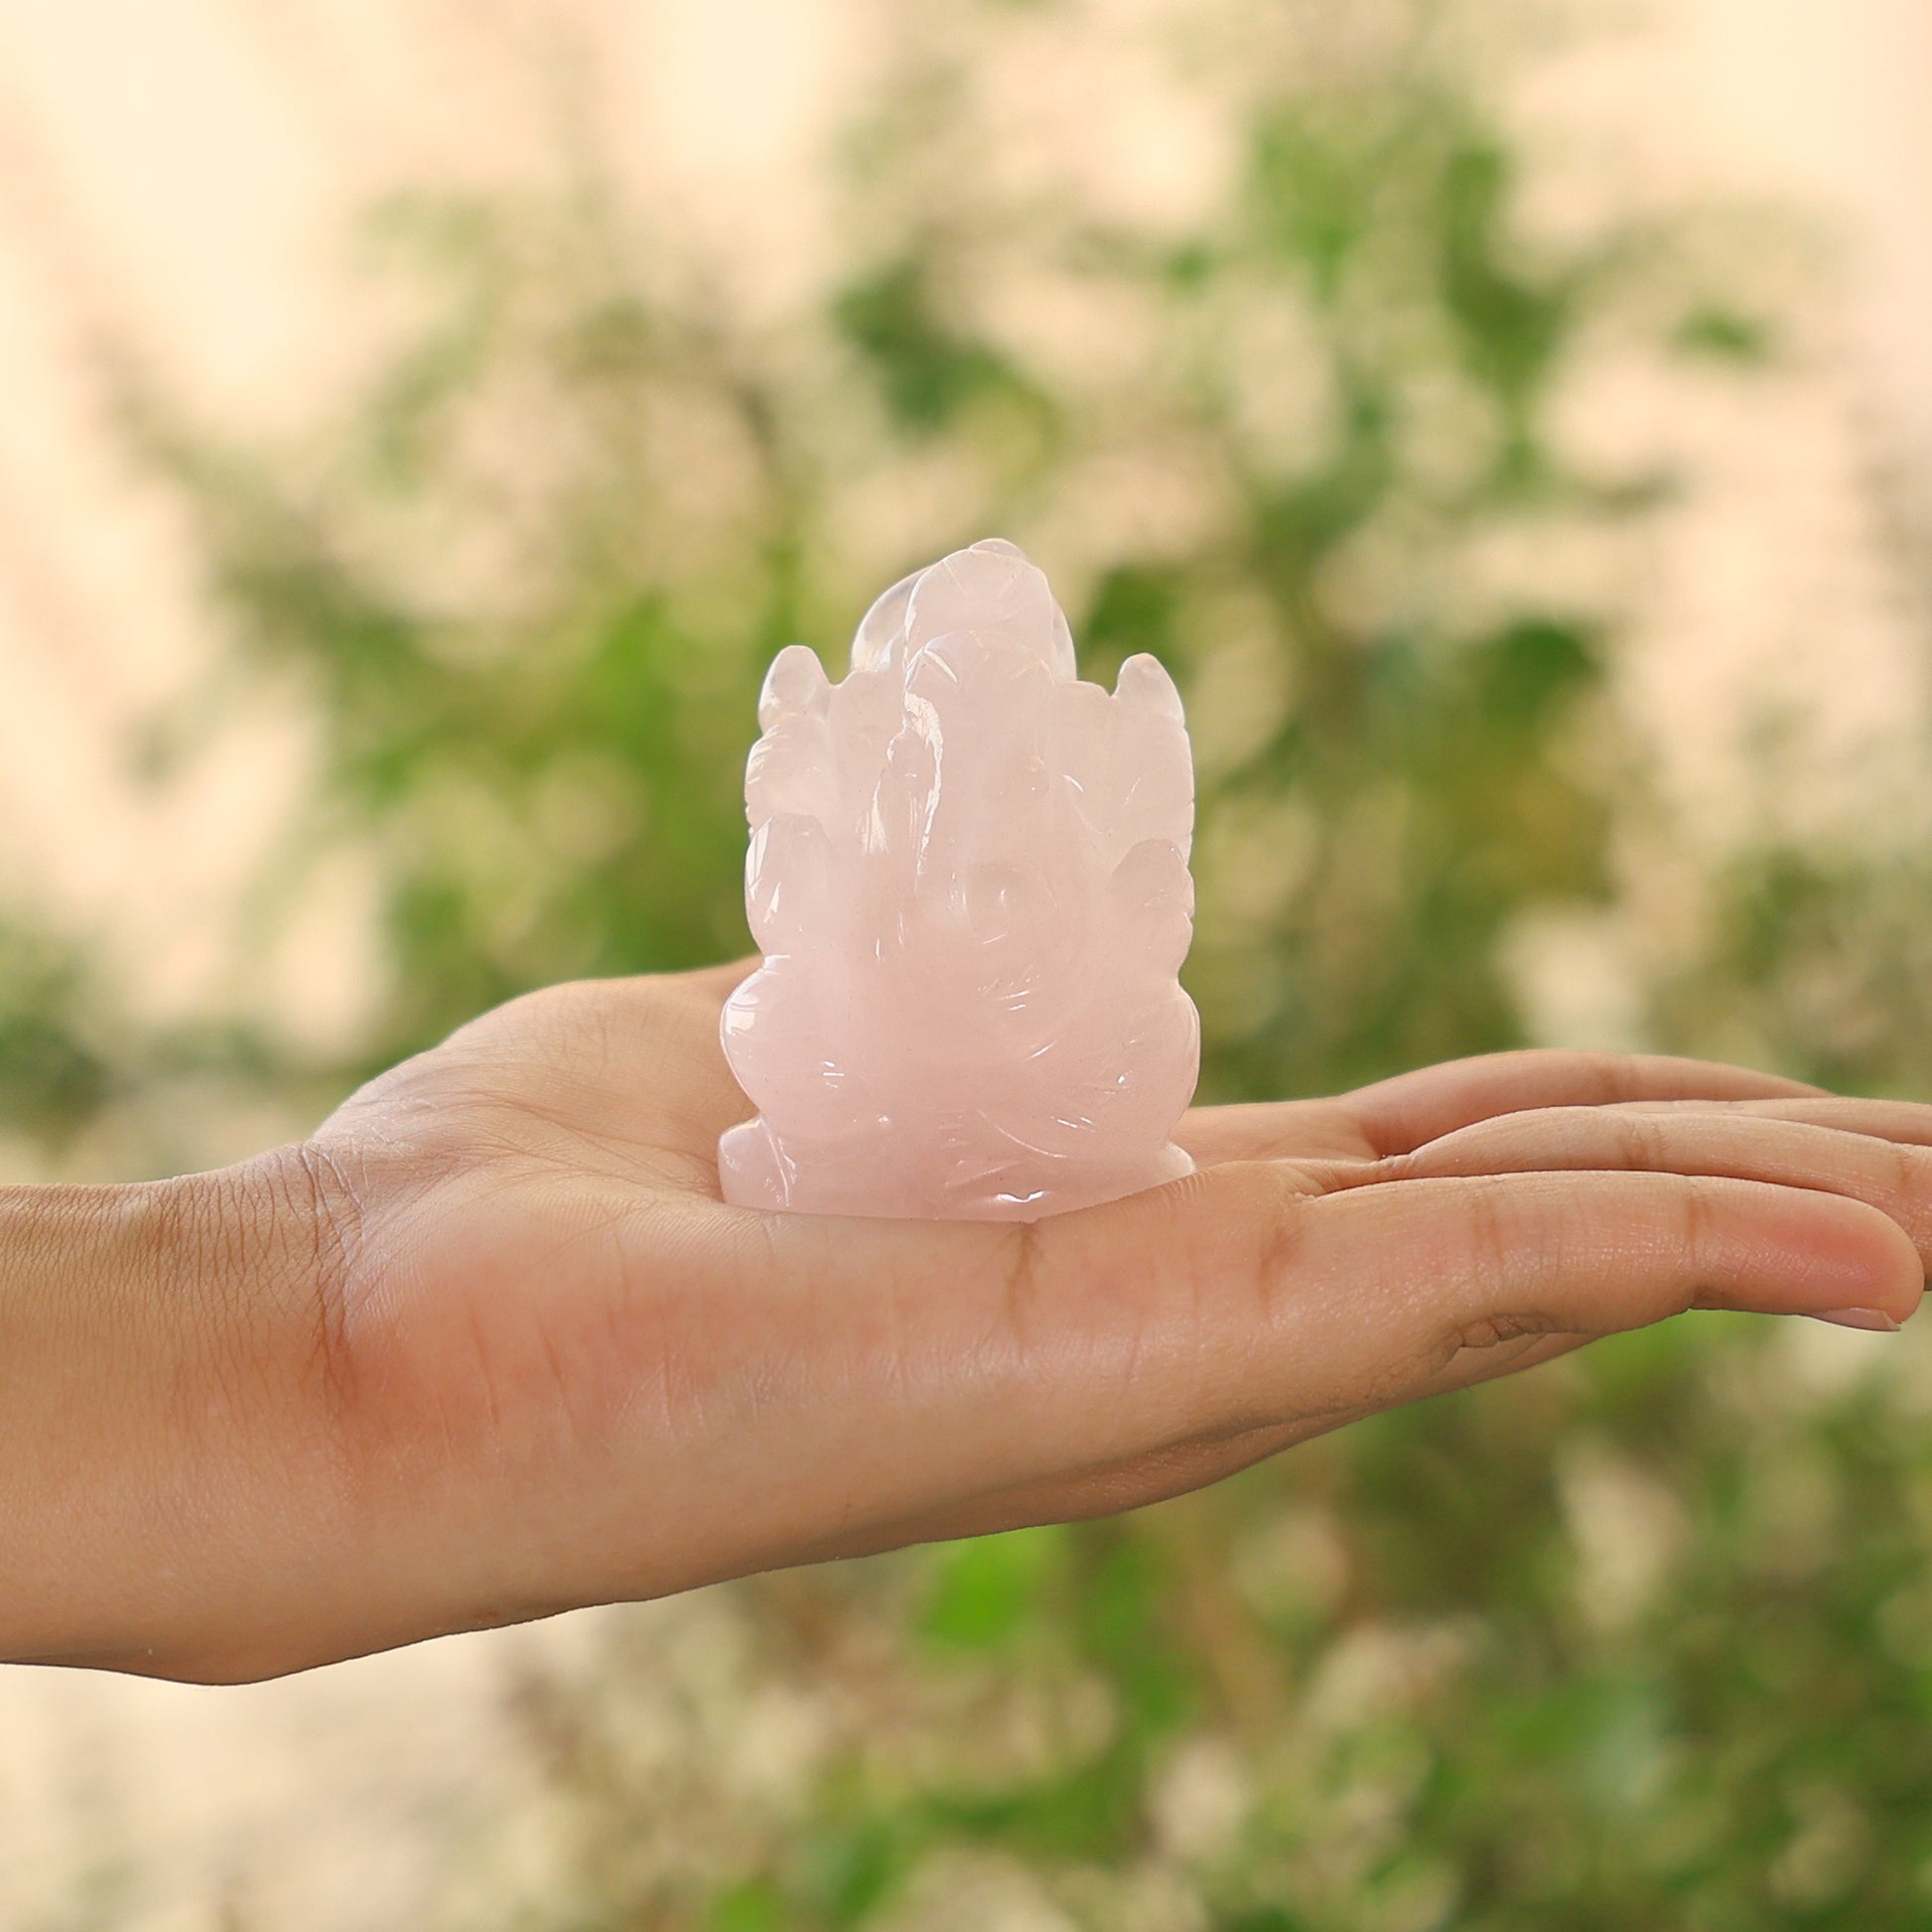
(969, 878)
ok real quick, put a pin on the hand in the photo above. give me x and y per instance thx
(519, 1356)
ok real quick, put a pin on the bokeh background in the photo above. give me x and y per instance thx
(421, 420)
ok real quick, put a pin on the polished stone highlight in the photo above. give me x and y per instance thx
(968, 875)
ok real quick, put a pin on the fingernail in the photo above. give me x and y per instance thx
(1858, 1319)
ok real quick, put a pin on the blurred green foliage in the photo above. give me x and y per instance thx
(56, 1071)
(1642, 1640)
(533, 588)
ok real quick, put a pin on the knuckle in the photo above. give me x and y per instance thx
(1489, 1234)
(1281, 1231)
(1509, 1252)
(1640, 1139)
(1604, 1078)
(1493, 1331)
(1020, 1282)
(1909, 1169)
(1695, 1205)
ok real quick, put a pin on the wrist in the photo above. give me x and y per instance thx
(168, 1475)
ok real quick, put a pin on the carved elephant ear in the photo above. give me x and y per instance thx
(1154, 903)
(794, 687)
(969, 877)
(790, 881)
(1152, 767)
(879, 644)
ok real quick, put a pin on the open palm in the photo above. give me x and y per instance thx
(562, 1371)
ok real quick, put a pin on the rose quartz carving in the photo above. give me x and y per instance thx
(969, 878)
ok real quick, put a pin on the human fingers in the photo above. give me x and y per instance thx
(1396, 1115)
(1368, 1296)
(1740, 1139)
(1324, 1131)
(1908, 1122)
(1400, 1114)
(1277, 1130)
(1230, 1304)
(1892, 1175)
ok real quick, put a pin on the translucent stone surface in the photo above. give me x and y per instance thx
(968, 875)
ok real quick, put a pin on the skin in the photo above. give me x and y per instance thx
(490, 1346)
